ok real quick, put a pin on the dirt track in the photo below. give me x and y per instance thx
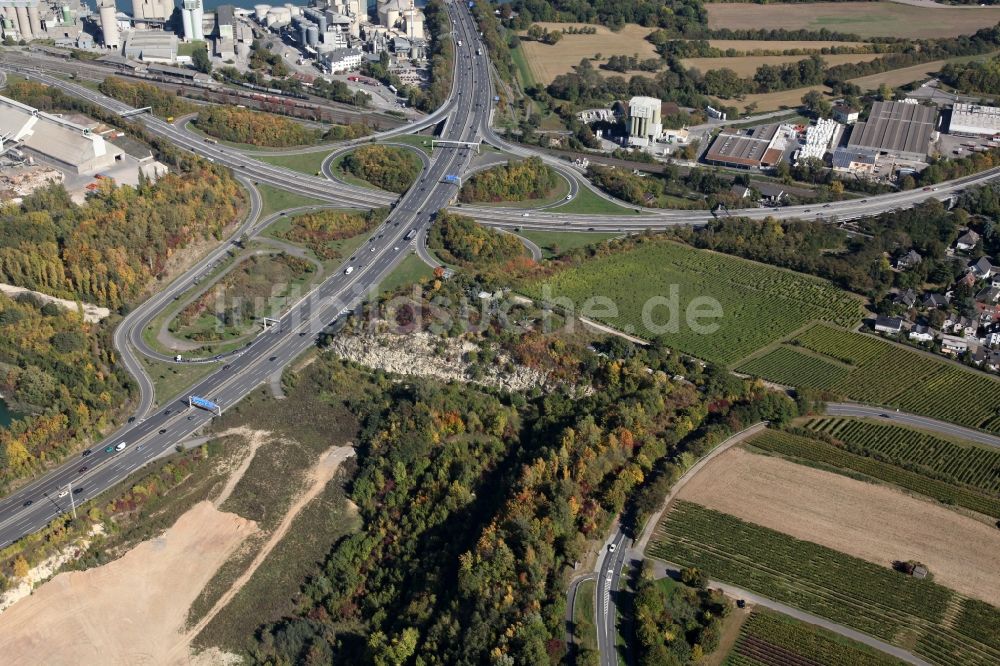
(134, 610)
(872, 522)
(128, 611)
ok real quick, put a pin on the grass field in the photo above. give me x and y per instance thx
(747, 65)
(416, 140)
(583, 616)
(169, 379)
(275, 199)
(771, 639)
(258, 286)
(866, 19)
(307, 163)
(554, 243)
(759, 304)
(873, 599)
(547, 62)
(587, 203)
(829, 456)
(868, 369)
(410, 270)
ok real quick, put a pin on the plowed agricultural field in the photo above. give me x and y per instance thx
(868, 521)
(866, 19)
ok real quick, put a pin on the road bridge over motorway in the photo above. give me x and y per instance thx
(157, 430)
(468, 110)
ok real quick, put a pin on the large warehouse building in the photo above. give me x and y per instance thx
(56, 138)
(974, 120)
(895, 128)
(754, 148)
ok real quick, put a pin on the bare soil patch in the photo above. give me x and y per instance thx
(866, 19)
(128, 611)
(319, 476)
(871, 522)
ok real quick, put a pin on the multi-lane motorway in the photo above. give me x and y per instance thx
(155, 432)
(466, 115)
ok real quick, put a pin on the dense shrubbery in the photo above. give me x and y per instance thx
(679, 625)
(145, 94)
(230, 123)
(388, 167)
(462, 240)
(973, 77)
(317, 230)
(514, 181)
(108, 249)
(476, 506)
(59, 371)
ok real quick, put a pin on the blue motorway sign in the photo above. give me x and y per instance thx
(204, 403)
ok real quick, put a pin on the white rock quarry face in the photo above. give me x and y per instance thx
(418, 354)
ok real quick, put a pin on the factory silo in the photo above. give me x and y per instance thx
(109, 24)
(23, 24)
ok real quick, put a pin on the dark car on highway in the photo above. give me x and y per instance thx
(86, 453)
(82, 469)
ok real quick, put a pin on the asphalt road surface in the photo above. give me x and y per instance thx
(151, 434)
(912, 420)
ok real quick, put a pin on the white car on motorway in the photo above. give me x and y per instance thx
(348, 270)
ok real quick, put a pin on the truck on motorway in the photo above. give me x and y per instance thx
(410, 234)
(479, 51)
(460, 42)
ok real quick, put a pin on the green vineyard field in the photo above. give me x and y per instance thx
(771, 639)
(845, 589)
(866, 369)
(968, 464)
(760, 304)
(897, 473)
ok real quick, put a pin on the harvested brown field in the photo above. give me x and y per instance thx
(873, 522)
(548, 62)
(783, 99)
(866, 19)
(899, 77)
(747, 65)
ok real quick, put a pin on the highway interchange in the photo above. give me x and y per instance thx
(466, 117)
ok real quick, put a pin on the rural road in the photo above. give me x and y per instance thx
(664, 570)
(903, 418)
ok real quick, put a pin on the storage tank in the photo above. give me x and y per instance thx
(109, 25)
(312, 34)
(23, 26)
(35, 20)
(278, 16)
(292, 9)
(260, 11)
